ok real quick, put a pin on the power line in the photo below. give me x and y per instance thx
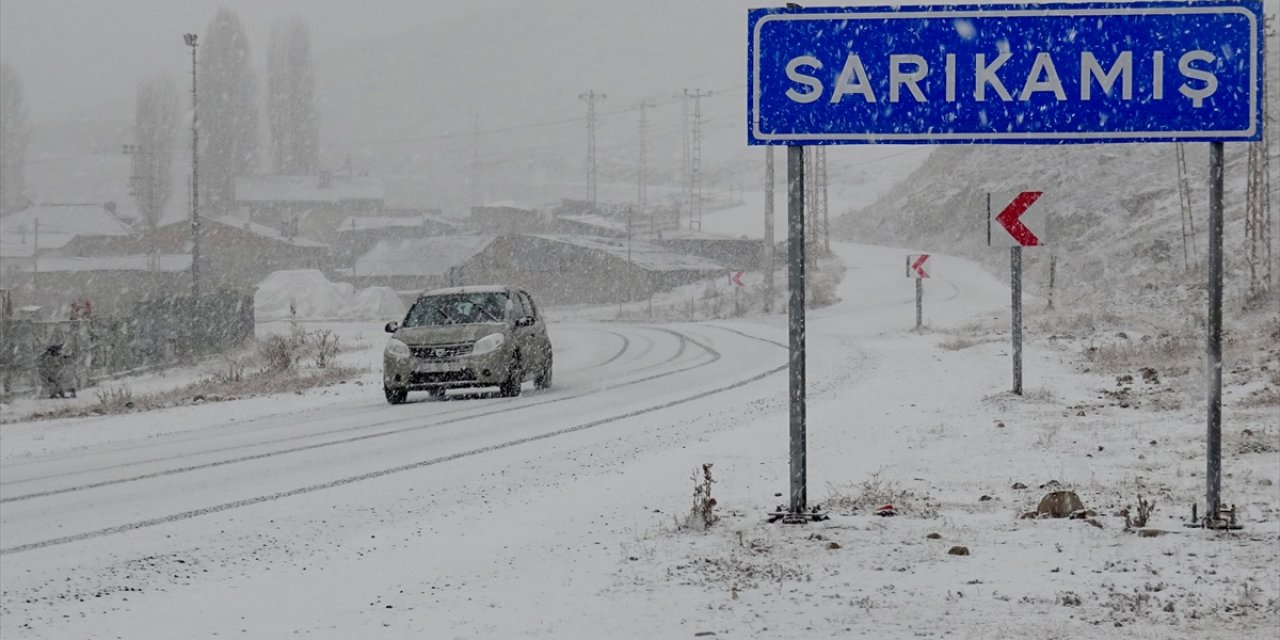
(529, 125)
(476, 188)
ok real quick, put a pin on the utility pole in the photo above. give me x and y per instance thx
(813, 227)
(142, 186)
(190, 40)
(642, 176)
(820, 196)
(1257, 221)
(476, 187)
(684, 155)
(695, 160)
(35, 261)
(590, 98)
(1184, 198)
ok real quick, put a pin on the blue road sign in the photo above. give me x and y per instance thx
(1031, 73)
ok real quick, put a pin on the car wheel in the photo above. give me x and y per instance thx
(510, 387)
(436, 393)
(543, 379)
(395, 395)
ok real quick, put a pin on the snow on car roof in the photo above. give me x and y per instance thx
(482, 288)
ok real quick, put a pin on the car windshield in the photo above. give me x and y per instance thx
(458, 308)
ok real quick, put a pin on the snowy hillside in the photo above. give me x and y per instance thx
(1116, 221)
(1115, 213)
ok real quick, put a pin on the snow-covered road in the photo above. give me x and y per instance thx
(335, 515)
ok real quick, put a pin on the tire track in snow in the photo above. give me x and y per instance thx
(626, 344)
(251, 427)
(684, 341)
(220, 430)
(227, 506)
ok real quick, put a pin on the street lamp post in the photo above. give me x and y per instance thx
(190, 40)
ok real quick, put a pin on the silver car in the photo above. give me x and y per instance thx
(467, 337)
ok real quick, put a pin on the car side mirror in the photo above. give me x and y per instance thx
(392, 326)
(526, 321)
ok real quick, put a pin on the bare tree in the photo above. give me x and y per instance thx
(228, 116)
(155, 127)
(291, 89)
(14, 134)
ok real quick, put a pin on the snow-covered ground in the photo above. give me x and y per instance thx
(562, 514)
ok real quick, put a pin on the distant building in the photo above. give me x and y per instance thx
(358, 234)
(237, 254)
(577, 217)
(590, 269)
(500, 219)
(310, 206)
(59, 229)
(412, 265)
(560, 268)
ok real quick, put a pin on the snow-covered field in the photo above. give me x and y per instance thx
(564, 513)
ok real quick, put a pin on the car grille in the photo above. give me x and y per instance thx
(441, 377)
(442, 351)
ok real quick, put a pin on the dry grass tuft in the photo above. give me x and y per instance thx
(875, 492)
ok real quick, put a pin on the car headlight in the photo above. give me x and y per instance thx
(489, 343)
(397, 348)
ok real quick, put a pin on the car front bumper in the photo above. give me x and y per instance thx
(415, 373)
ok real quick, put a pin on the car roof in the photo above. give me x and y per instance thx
(487, 288)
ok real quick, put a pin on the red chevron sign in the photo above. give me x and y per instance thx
(918, 265)
(735, 278)
(1010, 218)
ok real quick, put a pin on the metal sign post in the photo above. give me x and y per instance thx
(1024, 225)
(768, 229)
(915, 266)
(1213, 441)
(919, 302)
(1015, 287)
(795, 328)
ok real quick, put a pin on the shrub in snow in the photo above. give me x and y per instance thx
(702, 514)
(323, 346)
(279, 353)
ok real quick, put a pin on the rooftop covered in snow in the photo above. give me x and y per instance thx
(642, 254)
(369, 223)
(70, 219)
(268, 232)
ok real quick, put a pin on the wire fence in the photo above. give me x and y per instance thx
(157, 334)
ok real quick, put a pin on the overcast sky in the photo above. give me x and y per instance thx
(72, 54)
